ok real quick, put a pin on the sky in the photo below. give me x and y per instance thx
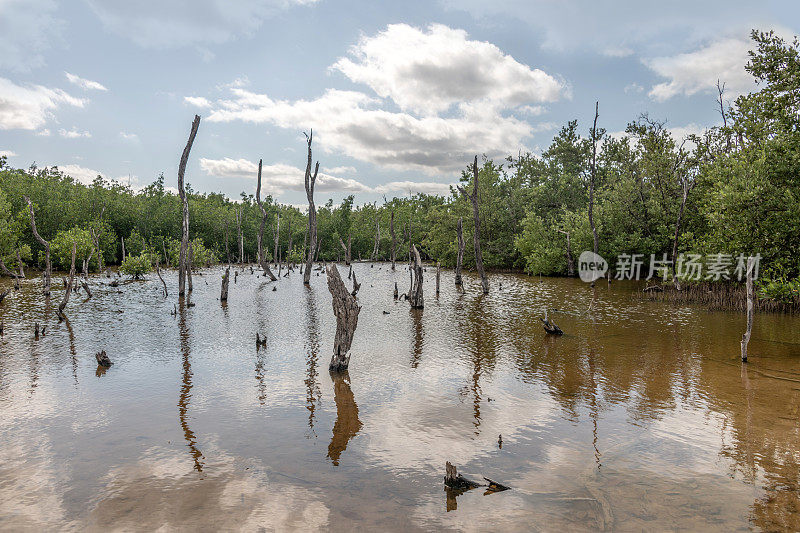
(400, 95)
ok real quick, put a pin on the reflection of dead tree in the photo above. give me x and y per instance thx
(312, 326)
(186, 392)
(473, 197)
(347, 424)
(419, 338)
(182, 260)
(47, 269)
(346, 310)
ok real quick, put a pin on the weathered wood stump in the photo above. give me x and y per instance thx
(102, 359)
(346, 310)
(223, 296)
(550, 327)
(415, 296)
(454, 480)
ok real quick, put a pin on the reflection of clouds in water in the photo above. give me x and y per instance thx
(161, 490)
(407, 433)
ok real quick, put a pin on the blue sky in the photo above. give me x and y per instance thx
(400, 95)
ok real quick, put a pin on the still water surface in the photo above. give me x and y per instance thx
(640, 417)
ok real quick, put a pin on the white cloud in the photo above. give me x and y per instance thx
(277, 178)
(197, 101)
(43, 133)
(454, 104)
(128, 136)
(698, 71)
(27, 28)
(413, 187)
(81, 174)
(84, 83)
(339, 170)
(73, 133)
(398, 63)
(158, 24)
(29, 107)
(7, 153)
(633, 88)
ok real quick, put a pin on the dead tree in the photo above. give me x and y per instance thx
(477, 222)
(277, 236)
(46, 244)
(158, 271)
(310, 180)
(460, 258)
(376, 246)
(751, 263)
(289, 247)
(262, 260)
(182, 267)
(570, 263)
(239, 212)
(593, 179)
(190, 265)
(415, 296)
(68, 289)
(223, 297)
(356, 285)
(346, 249)
(394, 239)
(122, 240)
(346, 310)
(687, 183)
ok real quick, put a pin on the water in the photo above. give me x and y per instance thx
(640, 417)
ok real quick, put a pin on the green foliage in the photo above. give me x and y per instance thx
(136, 266)
(61, 248)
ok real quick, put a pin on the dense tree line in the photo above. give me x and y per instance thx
(734, 189)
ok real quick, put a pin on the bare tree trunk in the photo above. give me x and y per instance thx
(68, 289)
(751, 263)
(289, 248)
(277, 236)
(592, 180)
(570, 263)
(346, 310)
(46, 244)
(182, 270)
(189, 266)
(460, 258)
(158, 271)
(477, 221)
(310, 180)
(122, 240)
(227, 249)
(239, 214)
(686, 188)
(6, 271)
(416, 297)
(394, 239)
(223, 297)
(260, 239)
(438, 274)
(346, 249)
(377, 239)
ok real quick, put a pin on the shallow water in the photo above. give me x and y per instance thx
(640, 417)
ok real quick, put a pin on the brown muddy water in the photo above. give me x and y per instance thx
(639, 418)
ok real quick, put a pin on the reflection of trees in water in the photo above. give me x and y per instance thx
(72, 350)
(186, 389)
(347, 423)
(419, 337)
(312, 352)
(261, 352)
(481, 341)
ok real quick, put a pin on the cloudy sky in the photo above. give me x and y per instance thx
(401, 95)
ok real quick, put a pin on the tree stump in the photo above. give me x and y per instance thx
(102, 359)
(455, 480)
(223, 296)
(346, 310)
(415, 297)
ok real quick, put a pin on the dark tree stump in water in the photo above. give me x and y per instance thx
(223, 296)
(346, 310)
(454, 480)
(550, 327)
(415, 296)
(102, 359)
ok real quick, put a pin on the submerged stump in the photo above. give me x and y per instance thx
(346, 310)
